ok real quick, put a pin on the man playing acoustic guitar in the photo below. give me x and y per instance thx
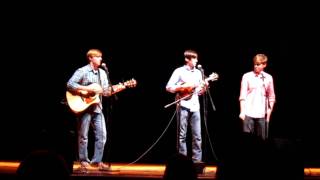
(90, 80)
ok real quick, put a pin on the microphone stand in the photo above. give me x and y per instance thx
(266, 109)
(109, 109)
(205, 111)
(205, 114)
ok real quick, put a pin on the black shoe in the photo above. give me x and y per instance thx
(200, 167)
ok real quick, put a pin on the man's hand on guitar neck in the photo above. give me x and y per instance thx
(203, 87)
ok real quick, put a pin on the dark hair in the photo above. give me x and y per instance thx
(190, 54)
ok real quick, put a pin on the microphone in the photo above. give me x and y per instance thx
(104, 66)
(199, 67)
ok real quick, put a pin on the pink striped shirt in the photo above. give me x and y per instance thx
(255, 89)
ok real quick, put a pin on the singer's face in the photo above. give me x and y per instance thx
(96, 60)
(192, 62)
(258, 67)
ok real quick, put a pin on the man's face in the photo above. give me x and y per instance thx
(192, 62)
(258, 67)
(96, 60)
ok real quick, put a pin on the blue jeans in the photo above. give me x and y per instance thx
(99, 128)
(194, 120)
(255, 126)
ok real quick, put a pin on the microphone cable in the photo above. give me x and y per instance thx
(206, 128)
(143, 154)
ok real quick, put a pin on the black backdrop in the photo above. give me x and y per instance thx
(43, 49)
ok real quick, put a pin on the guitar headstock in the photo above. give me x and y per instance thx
(213, 77)
(130, 83)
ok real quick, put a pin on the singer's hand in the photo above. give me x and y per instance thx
(242, 116)
(268, 114)
(202, 88)
(92, 88)
(96, 89)
(204, 84)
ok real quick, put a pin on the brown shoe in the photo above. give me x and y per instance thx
(103, 167)
(84, 166)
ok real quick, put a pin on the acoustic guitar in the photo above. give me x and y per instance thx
(81, 100)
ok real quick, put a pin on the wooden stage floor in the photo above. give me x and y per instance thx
(130, 171)
(138, 171)
(118, 170)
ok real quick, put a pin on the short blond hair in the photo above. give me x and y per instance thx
(94, 53)
(260, 58)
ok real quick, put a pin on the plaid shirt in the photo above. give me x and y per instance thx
(86, 76)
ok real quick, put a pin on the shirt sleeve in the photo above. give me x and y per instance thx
(270, 91)
(74, 81)
(243, 88)
(172, 83)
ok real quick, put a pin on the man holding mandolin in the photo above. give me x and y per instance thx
(188, 83)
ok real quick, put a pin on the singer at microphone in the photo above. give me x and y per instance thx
(257, 98)
(83, 82)
(188, 105)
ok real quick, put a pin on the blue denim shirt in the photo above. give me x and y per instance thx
(86, 76)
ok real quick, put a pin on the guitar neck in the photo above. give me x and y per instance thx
(117, 88)
(121, 86)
